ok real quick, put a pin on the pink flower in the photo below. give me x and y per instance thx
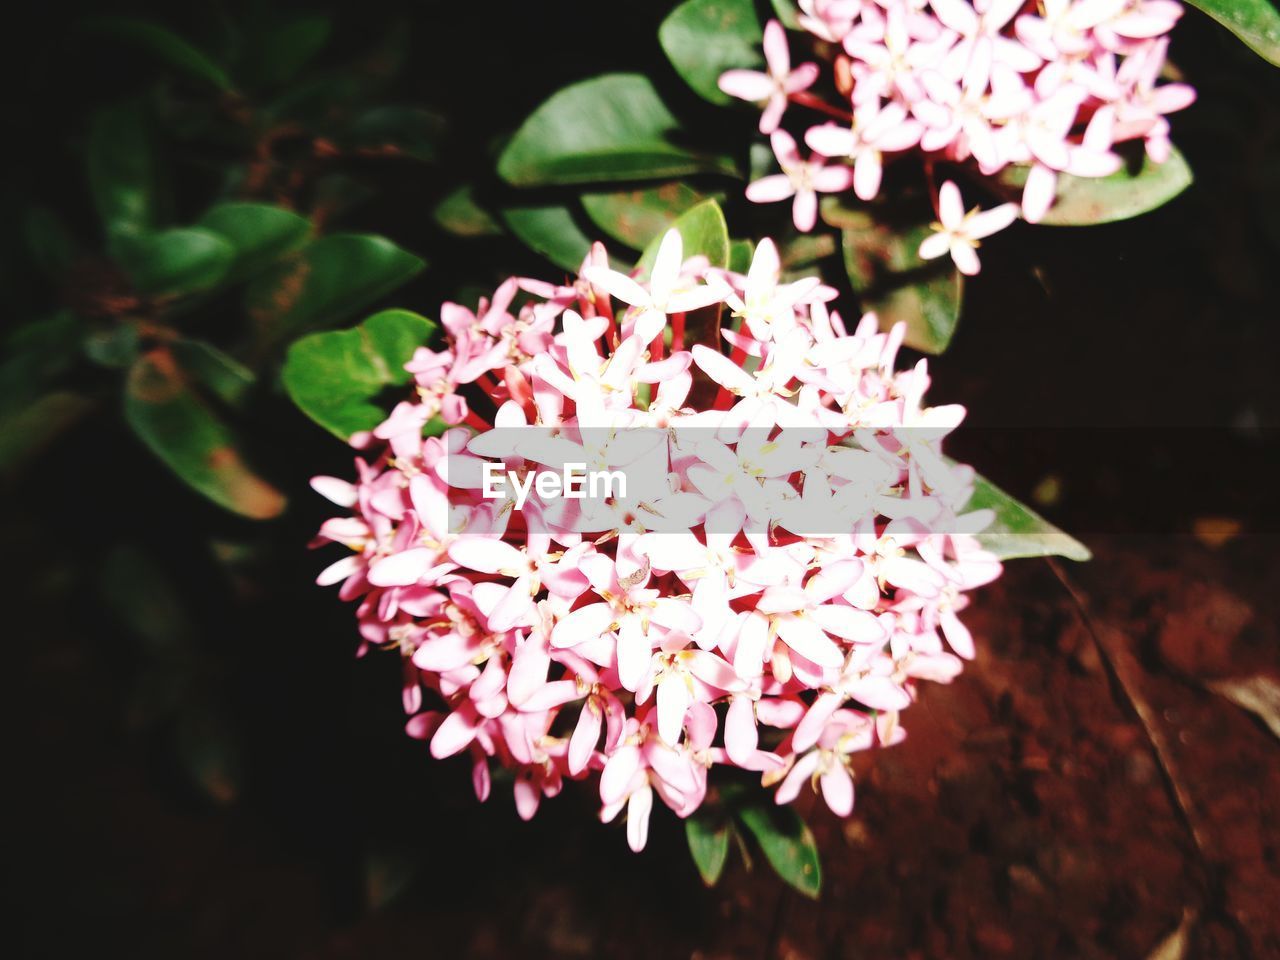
(772, 88)
(607, 639)
(958, 233)
(802, 179)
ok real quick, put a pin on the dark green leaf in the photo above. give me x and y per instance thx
(165, 45)
(207, 749)
(281, 47)
(704, 38)
(703, 230)
(178, 261)
(139, 592)
(115, 347)
(259, 232)
(787, 844)
(123, 169)
(635, 217)
(740, 255)
(1085, 201)
(183, 432)
(326, 282)
(396, 131)
(552, 231)
(226, 378)
(35, 354)
(886, 272)
(1256, 22)
(1018, 531)
(28, 430)
(333, 377)
(49, 241)
(613, 127)
(708, 837)
(460, 214)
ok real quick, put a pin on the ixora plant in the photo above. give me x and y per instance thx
(882, 115)
(719, 642)
(178, 320)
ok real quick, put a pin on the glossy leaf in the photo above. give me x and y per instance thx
(333, 377)
(178, 261)
(635, 217)
(259, 232)
(165, 45)
(551, 231)
(460, 214)
(182, 431)
(704, 38)
(226, 378)
(708, 837)
(612, 127)
(1256, 22)
(1086, 201)
(326, 282)
(26, 431)
(1018, 531)
(123, 169)
(703, 230)
(885, 269)
(787, 843)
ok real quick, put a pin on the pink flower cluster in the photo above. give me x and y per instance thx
(643, 657)
(1051, 85)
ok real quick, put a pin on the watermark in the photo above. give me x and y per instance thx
(573, 482)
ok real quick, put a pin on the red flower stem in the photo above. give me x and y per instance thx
(677, 332)
(813, 103)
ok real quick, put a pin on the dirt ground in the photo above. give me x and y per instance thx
(1081, 791)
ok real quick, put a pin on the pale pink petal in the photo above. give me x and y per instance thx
(747, 84)
(837, 790)
(804, 212)
(740, 735)
(776, 53)
(770, 189)
(991, 221)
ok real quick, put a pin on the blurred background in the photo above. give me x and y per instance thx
(203, 769)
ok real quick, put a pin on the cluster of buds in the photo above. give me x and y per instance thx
(715, 623)
(1051, 85)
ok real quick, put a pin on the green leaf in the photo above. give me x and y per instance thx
(184, 433)
(787, 12)
(551, 231)
(29, 429)
(635, 217)
(141, 595)
(226, 378)
(460, 214)
(1086, 201)
(741, 253)
(703, 230)
(279, 48)
(787, 843)
(396, 131)
(1256, 22)
(259, 232)
(708, 837)
(613, 127)
(886, 272)
(178, 261)
(165, 45)
(37, 353)
(1018, 531)
(704, 38)
(49, 241)
(123, 169)
(114, 347)
(333, 377)
(326, 282)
